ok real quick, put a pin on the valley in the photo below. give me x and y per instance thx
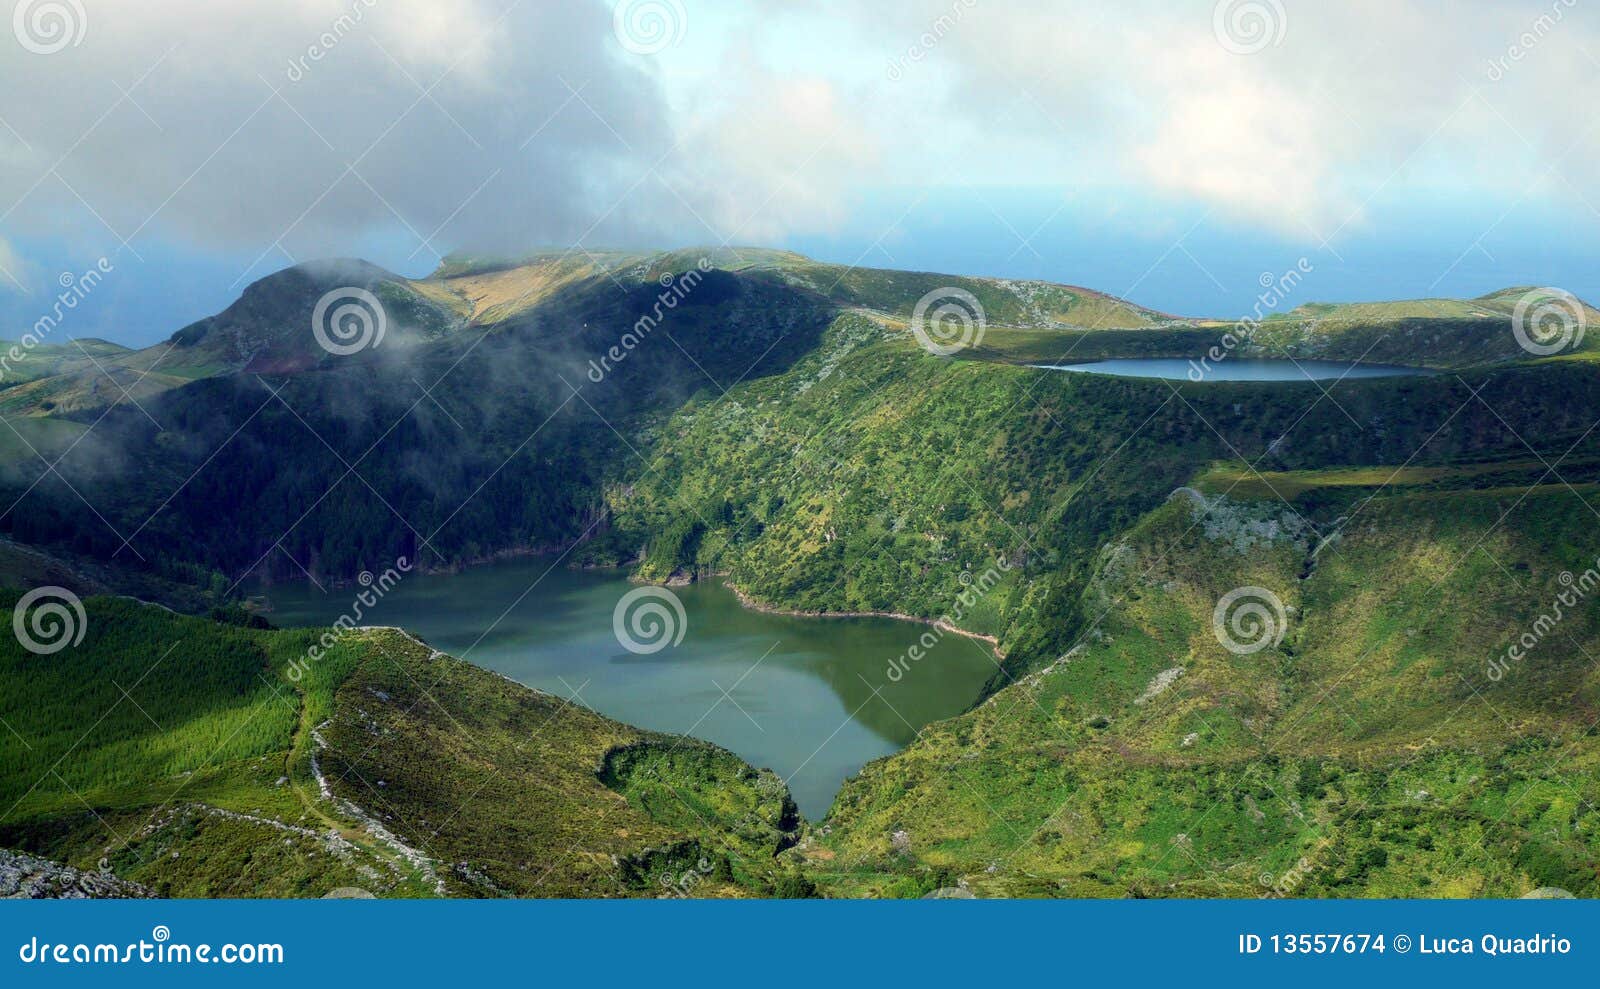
(811, 700)
(781, 427)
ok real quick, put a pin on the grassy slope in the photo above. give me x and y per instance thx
(268, 329)
(1371, 744)
(503, 345)
(1446, 333)
(45, 359)
(473, 768)
(1434, 333)
(861, 474)
(504, 457)
(28, 566)
(870, 477)
(200, 781)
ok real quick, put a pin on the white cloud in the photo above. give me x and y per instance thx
(14, 271)
(316, 123)
(1352, 100)
(499, 126)
(779, 153)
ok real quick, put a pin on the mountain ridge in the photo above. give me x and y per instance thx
(783, 427)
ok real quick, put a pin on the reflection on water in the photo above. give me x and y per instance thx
(809, 698)
(1236, 369)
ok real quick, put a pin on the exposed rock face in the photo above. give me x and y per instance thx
(25, 877)
(1243, 526)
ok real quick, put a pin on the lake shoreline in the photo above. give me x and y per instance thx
(724, 577)
(1238, 369)
(770, 609)
(557, 625)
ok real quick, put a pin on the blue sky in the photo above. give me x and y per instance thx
(1172, 152)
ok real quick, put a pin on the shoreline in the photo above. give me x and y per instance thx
(746, 601)
(744, 598)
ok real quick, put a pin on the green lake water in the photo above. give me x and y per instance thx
(792, 694)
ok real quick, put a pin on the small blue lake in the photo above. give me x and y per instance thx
(1236, 369)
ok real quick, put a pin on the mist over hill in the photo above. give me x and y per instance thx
(838, 439)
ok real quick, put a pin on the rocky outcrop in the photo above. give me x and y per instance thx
(27, 877)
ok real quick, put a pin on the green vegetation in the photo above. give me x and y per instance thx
(779, 424)
(1372, 744)
(528, 789)
(480, 425)
(1242, 481)
(184, 755)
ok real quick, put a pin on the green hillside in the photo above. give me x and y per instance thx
(1450, 333)
(485, 421)
(779, 424)
(1371, 753)
(184, 755)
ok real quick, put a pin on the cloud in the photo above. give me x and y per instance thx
(312, 124)
(1296, 129)
(301, 128)
(778, 153)
(14, 270)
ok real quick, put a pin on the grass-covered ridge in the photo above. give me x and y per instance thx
(482, 427)
(783, 428)
(1373, 745)
(181, 754)
(870, 477)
